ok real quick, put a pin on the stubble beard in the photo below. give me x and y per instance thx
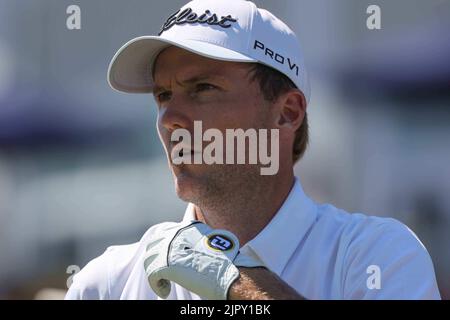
(223, 188)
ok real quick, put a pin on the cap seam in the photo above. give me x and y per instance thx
(250, 29)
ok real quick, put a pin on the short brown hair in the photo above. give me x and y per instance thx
(273, 84)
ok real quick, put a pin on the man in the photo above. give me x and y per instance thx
(245, 234)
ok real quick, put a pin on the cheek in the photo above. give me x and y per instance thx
(163, 134)
(240, 106)
(158, 124)
(159, 127)
(248, 112)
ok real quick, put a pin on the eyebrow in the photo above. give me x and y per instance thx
(189, 81)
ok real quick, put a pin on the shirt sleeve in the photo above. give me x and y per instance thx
(92, 282)
(388, 261)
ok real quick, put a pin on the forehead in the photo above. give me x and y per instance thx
(174, 61)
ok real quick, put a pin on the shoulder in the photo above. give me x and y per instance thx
(105, 276)
(356, 229)
(380, 238)
(94, 281)
(384, 247)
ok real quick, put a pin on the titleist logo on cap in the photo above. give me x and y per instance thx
(187, 16)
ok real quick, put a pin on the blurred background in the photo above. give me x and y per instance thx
(81, 166)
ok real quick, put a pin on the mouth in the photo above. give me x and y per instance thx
(183, 154)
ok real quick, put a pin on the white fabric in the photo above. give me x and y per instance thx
(319, 250)
(256, 36)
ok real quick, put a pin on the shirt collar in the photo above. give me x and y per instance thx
(276, 243)
(189, 214)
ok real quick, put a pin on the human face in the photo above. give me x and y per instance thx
(188, 88)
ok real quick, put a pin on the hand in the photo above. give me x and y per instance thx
(201, 259)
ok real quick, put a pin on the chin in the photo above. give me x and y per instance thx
(200, 183)
(188, 185)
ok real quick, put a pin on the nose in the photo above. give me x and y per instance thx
(174, 115)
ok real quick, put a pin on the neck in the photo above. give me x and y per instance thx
(247, 213)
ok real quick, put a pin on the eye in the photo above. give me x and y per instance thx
(164, 96)
(204, 87)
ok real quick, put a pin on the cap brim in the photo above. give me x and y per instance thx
(130, 69)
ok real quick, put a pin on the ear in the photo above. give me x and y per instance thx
(292, 108)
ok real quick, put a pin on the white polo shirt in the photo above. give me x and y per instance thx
(321, 251)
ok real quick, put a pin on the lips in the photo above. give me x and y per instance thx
(179, 151)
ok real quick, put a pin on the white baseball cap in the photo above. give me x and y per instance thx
(228, 30)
